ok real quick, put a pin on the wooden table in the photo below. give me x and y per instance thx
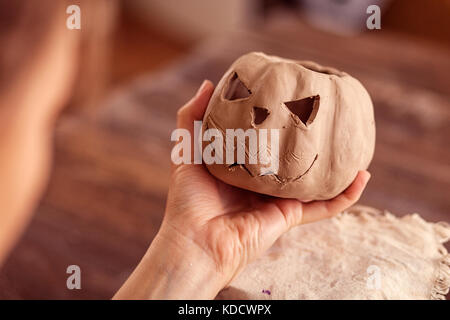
(106, 196)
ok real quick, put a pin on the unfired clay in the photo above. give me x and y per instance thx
(324, 116)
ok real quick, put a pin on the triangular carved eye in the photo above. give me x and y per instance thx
(305, 109)
(236, 89)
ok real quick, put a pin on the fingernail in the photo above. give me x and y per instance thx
(368, 175)
(202, 87)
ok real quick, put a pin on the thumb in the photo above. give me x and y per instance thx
(194, 110)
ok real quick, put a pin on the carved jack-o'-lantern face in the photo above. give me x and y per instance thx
(324, 117)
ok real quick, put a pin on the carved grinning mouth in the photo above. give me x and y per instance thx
(279, 179)
(284, 181)
(230, 167)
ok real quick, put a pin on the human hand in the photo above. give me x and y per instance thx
(212, 230)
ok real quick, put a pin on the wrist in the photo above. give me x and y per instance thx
(173, 268)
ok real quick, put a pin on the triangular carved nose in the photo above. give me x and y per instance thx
(259, 115)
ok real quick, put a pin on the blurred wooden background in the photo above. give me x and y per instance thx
(107, 193)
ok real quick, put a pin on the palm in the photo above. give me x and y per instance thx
(232, 225)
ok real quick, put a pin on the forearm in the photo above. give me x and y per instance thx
(171, 271)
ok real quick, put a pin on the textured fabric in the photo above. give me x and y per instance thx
(360, 254)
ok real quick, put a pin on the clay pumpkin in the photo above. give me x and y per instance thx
(324, 116)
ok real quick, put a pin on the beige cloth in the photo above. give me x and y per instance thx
(360, 254)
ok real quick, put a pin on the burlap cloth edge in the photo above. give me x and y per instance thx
(441, 285)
